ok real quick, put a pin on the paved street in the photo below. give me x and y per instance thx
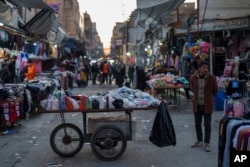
(30, 146)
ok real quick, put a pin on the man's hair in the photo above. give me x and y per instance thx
(202, 62)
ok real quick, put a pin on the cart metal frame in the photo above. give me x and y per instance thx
(86, 137)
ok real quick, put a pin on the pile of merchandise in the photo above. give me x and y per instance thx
(117, 98)
(161, 80)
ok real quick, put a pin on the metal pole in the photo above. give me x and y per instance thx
(211, 54)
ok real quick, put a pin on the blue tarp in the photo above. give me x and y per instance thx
(69, 43)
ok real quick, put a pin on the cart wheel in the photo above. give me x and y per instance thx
(108, 142)
(66, 140)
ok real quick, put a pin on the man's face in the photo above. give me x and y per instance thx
(203, 69)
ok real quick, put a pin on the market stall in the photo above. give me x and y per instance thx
(163, 85)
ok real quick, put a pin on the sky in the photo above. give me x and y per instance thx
(106, 13)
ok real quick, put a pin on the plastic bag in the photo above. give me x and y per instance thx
(162, 133)
(69, 105)
(62, 100)
(52, 103)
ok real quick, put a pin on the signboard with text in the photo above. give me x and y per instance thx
(228, 24)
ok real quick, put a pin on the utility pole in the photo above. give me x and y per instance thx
(124, 46)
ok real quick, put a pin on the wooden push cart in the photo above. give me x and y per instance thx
(108, 142)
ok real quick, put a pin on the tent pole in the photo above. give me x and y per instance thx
(211, 54)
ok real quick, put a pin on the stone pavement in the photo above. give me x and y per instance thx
(30, 146)
(181, 155)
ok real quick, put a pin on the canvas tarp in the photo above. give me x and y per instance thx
(9, 16)
(158, 10)
(41, 23)
(223, 9)
(38, 4)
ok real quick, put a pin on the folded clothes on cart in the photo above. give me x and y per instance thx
(117, 98)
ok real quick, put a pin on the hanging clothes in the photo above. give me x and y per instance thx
(174, 61)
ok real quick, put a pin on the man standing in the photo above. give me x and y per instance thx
(204, 88)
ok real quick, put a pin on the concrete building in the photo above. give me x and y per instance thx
(68, 16)
(94, 47)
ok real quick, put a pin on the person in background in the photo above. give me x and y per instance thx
(87, 70)
(204, 87)
(110, 72)
(105, 72)
(196, 61)
(12, 69)
(141, 78)
(189, 70)
(94, 71)
(5, 74)
(131, 71)
(82, 76)
(119, 73)
(31, 71)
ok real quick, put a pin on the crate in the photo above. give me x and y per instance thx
(122, 123)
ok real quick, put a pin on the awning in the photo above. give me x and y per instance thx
(218, 9)
(9, 16)
(38, 4)
(158, 10)
(41, 23)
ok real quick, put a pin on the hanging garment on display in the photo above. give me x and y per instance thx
(235, 89)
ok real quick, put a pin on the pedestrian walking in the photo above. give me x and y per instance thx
(141, 78)
(131, 71)
(94, 71)
(204, 87)
(110, 72)
(120, 74)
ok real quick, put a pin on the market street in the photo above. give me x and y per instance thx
(30, 145)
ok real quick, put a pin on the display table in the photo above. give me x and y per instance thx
(164, 91)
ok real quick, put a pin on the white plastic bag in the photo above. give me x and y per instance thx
(74, 103)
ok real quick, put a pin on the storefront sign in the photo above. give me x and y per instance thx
(222, 25)
(118, 42)
(231, 24)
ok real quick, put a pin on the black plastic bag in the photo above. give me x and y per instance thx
(162, 133)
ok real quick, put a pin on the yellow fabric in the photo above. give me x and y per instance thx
(31, 72)
(83, 76)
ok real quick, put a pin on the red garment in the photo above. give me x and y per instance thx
(105, 68)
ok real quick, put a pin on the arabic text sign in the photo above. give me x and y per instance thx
(223, 24)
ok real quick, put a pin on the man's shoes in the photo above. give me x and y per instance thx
(207, 147)
(197, 144)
